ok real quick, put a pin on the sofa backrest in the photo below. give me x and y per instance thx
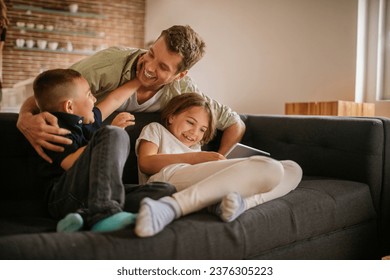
(20, 183)
(130, 173)
(345, 148)
(336, 147)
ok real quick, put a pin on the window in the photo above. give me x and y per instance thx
(383, 57)
(373, 51)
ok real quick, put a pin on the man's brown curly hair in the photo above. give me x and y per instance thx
(186, 42)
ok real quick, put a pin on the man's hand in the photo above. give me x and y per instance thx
(42, 131)
(231, 135)
(123, 120)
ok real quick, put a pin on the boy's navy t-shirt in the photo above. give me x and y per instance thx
(80, 136)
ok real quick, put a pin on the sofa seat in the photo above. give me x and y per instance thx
(314, 209)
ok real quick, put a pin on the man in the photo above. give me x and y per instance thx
(162, 72)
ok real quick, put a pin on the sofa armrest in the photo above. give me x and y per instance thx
(385, 197)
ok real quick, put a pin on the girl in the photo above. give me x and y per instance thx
(172, 153)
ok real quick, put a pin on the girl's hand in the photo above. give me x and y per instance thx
(208, 156)
(123, 120)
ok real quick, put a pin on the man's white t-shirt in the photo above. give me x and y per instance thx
(151, 105)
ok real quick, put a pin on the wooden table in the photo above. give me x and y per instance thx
(331, 108)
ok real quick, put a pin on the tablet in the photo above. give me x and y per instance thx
(240, 151)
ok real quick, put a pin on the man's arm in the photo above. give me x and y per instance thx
(117, 97)
(231, 135)
(41, 129)
(111, 68)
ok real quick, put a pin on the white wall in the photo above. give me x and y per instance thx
(263, 53)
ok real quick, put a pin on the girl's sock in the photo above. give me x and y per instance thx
(71, 223)
(232, 206)
(154, 215)
(117, 221)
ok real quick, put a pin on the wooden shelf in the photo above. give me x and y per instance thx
(25, 30)
(63, 32)
(56, 12)
(80, 52)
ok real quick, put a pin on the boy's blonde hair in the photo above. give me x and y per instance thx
(185, 101)
(53, 87)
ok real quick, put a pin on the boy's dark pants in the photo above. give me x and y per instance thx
(93, 185)
(154, 190)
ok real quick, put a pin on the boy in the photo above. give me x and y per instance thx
(86, 179)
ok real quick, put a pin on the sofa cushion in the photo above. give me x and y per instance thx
(316, 207)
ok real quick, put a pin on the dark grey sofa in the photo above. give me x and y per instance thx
(341, 210)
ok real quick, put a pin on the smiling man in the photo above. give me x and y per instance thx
(162, 71)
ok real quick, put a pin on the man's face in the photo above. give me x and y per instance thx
(159, 66)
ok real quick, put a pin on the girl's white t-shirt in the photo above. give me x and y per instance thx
(167, 143)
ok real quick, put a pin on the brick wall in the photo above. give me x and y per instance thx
(97, 24)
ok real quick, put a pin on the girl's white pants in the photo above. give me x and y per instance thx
(257, 179)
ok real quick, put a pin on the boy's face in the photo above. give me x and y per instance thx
(83, 101)
(190, 125)
(159, 66)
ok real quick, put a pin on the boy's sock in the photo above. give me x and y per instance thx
(117, 221)
(215, 209)
(232, 206)
(154, 215)
(71, 223)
